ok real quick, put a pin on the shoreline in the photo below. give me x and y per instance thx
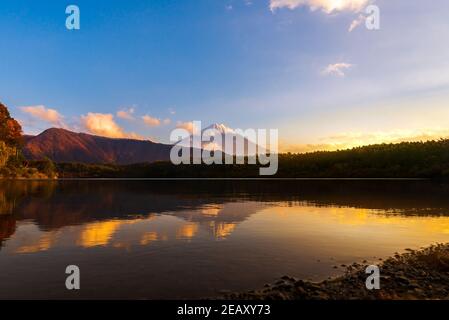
(221, 179)
(415, 275)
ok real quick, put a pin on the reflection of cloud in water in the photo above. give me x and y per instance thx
(222, 230)
(278, 219)
(98, 233)
(44, 243)
(29, 239)
(355, 222)
(60, 204)
(229, 212)
(211, 210)
(187, 231)
(124, 214)
(219, 221)
(148, 237)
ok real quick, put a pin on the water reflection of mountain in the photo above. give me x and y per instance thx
(52, 205)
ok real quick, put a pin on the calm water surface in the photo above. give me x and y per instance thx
(163, 240)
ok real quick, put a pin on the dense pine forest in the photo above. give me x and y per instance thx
(403, 160)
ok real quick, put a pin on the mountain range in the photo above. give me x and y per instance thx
(62, 145)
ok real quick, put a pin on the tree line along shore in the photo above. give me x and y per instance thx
(428, 160)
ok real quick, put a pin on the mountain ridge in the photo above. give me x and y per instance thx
(61, 145)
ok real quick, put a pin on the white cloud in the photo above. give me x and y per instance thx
(356, 22)
(327, 6)
(187, 126)
(126, 114)
(337, 69)
(42, 113)
(104, 125)
(150, 121)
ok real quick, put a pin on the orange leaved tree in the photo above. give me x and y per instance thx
(10, 129)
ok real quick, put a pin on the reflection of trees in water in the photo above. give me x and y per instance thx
(12, 193)
(55, 204)
(7, 227)
(6, 205)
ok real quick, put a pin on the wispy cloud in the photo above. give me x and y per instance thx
(186, 125)
(126, 114)
(337, 69)
(104, 125)
(347, 140)
(151, 121)
(43, 113)
(328, 6)
(357, 22)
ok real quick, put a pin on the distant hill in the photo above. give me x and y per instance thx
(62, 145)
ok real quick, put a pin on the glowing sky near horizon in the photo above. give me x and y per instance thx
(307, 67)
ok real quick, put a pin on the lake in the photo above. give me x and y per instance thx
(196, 239)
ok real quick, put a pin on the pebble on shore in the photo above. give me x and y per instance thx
(416, 274)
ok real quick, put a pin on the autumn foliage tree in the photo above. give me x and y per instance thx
(10, 129)
(12, 162)
(10, 138)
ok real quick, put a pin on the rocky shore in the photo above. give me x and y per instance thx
(421, 274)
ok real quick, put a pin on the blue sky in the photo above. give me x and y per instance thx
(287, 64)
